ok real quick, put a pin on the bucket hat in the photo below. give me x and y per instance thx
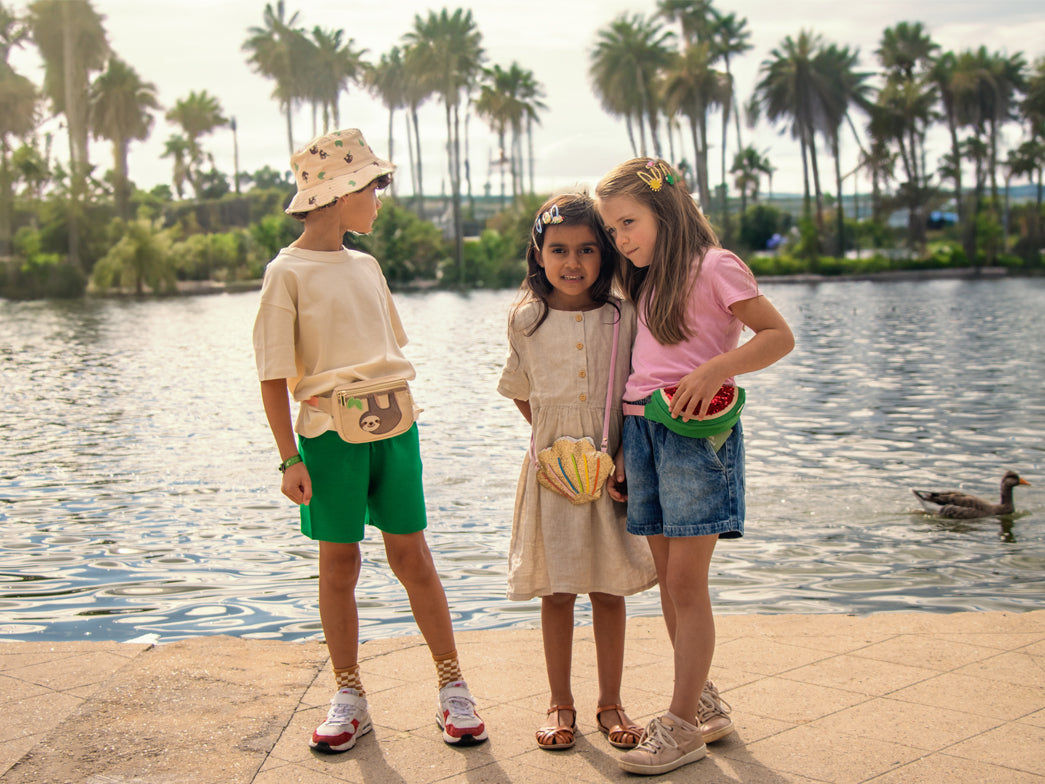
(333, 165)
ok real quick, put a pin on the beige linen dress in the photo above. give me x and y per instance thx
(562, 370)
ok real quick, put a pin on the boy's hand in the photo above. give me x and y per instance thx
(297, 484)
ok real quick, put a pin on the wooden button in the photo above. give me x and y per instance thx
(579, 317)
(583, 398)
(580, 346)
(582, 374)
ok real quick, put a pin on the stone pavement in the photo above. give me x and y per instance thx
(887, 698)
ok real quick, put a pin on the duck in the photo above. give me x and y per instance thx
(958, 505)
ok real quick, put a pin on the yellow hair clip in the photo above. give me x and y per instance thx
(657, 175)
(548, 216)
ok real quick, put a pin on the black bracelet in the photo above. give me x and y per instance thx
(292, 460)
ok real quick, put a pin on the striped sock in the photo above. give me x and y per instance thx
(348, 678)
(447, 667)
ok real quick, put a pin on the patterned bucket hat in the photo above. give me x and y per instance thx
(333, 165)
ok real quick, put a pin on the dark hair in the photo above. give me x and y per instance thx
(661, 290)
(571, 208)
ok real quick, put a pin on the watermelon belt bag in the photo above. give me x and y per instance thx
(722, 415)
(367, 411)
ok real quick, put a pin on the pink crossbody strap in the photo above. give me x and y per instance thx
(609, 397)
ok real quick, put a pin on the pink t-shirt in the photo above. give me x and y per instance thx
(723, 280)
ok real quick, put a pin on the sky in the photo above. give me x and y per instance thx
(187, 45)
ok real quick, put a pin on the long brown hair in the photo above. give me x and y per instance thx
(572, 208)
(661, 290)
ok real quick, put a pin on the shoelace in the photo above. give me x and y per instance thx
(712, 705)
(460, 707)
(655, 737)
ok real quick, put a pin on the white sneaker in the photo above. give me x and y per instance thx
(347, 719)
(457, 718)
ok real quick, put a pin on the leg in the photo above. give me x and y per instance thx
(411, 562)
(338, 574)
(348, 717)
(686, 583)
(658, 546)
(609, 621)
(557, 633)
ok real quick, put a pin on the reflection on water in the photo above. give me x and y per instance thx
(140, 497)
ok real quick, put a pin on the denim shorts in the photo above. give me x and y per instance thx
(355, 485)
(680, 486)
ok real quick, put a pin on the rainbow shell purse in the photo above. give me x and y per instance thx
(573, 467)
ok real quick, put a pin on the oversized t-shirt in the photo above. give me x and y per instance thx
(723, 280)
(326, 318)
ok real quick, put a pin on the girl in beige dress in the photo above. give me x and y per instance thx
(561, 349)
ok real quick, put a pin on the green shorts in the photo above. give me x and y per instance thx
(354, 485)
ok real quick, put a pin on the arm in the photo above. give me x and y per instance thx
(771, 341)
(524, 409)
(296, 485)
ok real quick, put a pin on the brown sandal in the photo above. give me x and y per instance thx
(560, 736)
(619, 735)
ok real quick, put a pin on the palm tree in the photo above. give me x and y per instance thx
(18, 109)
(277, 52)
(843, 86)
(729, 37)
(121, 107)
(696, 18)
(72, 43)
(749, 165)
(790, 91)
(628, 56)
(691, 87)
(530, 93)
(905, 107)
(387, 80)
(179, 149)
(198, 114)
(333, 65)
(1033, 109)
(141, 258)
(509, 101)
(447, 48)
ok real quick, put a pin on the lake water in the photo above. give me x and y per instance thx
(139, 497)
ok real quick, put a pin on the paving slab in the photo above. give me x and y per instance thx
(896, 698)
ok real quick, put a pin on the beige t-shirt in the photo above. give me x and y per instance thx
(326, 318)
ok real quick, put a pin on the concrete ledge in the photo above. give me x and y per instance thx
(889, 698)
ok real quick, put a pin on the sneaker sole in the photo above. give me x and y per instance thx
(464, 740)
(653, 770)
(711, 737)
(325, 748)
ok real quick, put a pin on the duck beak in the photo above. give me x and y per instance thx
(1024, 482)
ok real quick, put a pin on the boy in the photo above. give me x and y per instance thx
(327, 318)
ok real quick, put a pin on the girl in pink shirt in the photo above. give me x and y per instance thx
(684, 492)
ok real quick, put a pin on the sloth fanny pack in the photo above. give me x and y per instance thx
(373, 410)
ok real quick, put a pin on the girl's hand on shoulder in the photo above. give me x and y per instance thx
(297, 484)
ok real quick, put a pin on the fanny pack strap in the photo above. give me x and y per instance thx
(609, 398)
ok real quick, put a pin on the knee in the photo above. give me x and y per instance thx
(687, 592)
(411, 561)
(339, 567)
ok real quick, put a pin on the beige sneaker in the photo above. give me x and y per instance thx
(666, 745)
(712, 714)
